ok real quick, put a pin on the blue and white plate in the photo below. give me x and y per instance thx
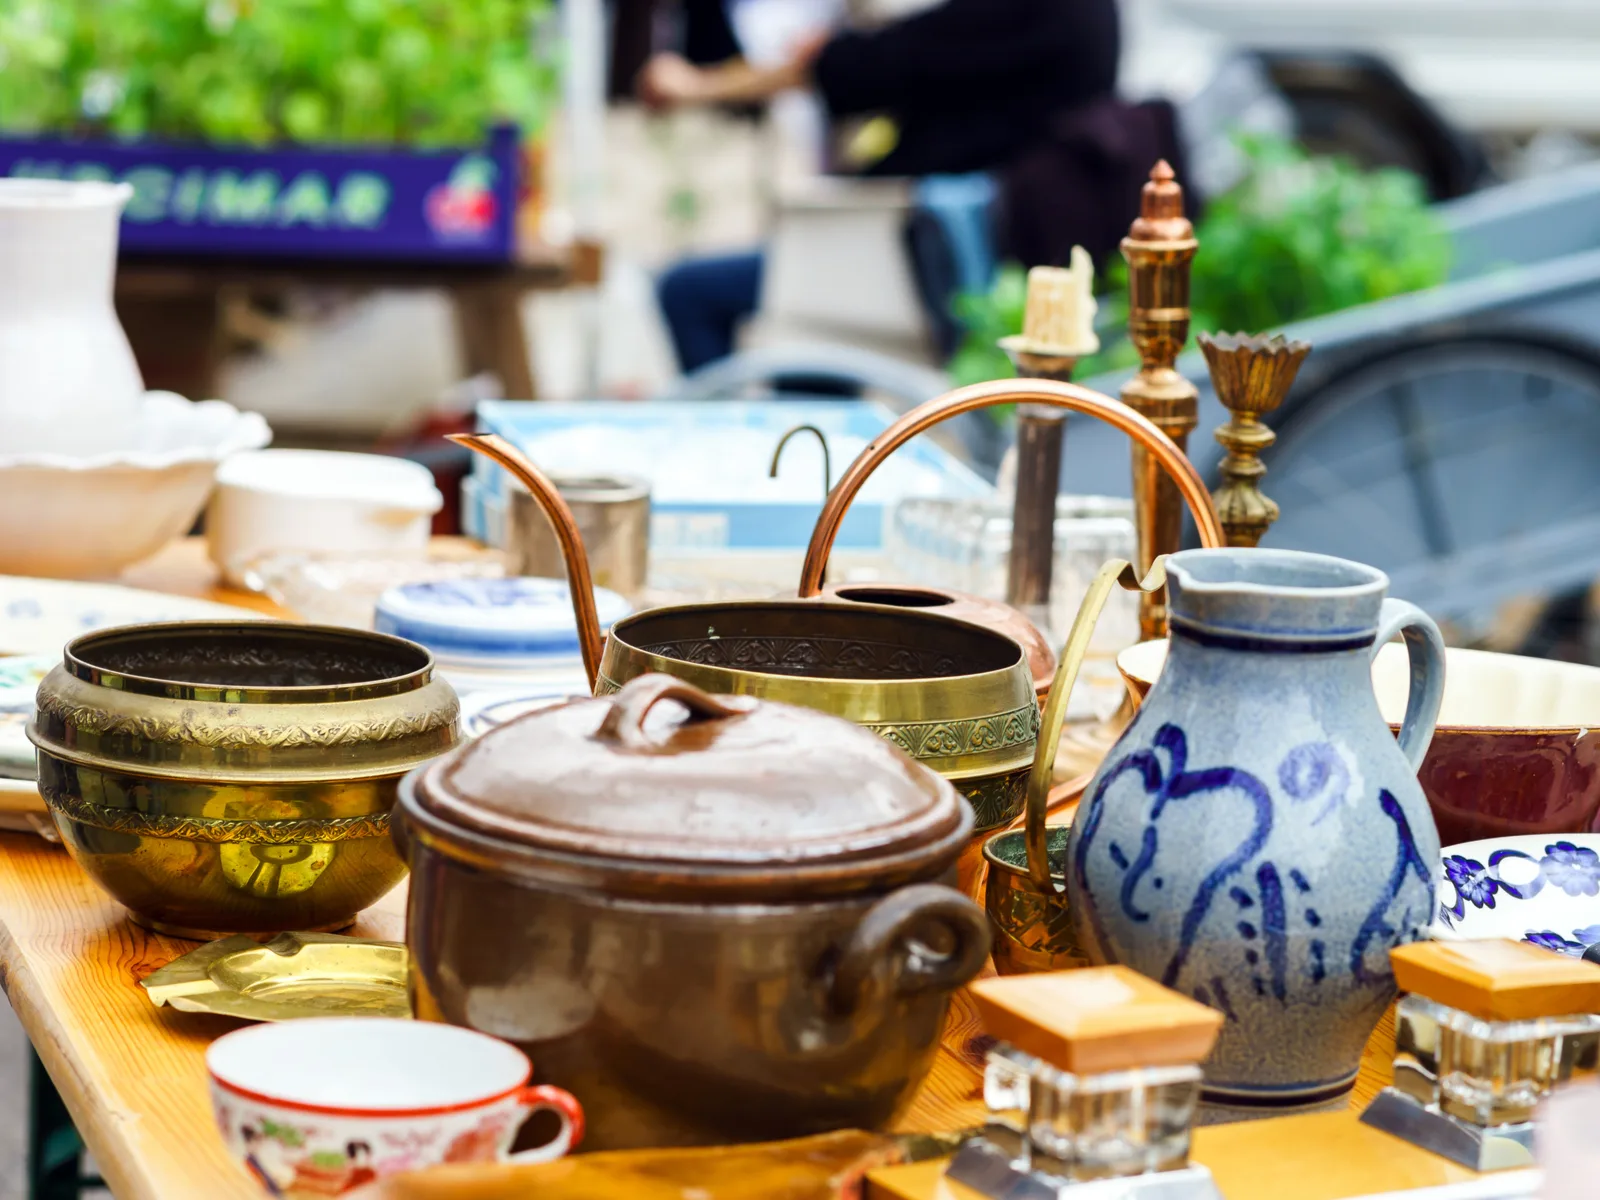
(40, 616)
(19, 684)
(482, 711)
(1538, 888)
(517, 623)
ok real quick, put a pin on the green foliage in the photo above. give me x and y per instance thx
(1298, 237)
(415, 72)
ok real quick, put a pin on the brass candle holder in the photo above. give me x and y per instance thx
(1251, 375)
(1159, 249)
(1040, 434)
(1058, 328)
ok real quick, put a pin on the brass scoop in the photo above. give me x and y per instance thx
(1026, 893)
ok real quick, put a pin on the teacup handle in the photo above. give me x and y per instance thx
(564, 1104)
(1425, 649)
(1115, 572)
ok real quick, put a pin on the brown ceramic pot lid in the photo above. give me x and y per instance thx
(710, 784)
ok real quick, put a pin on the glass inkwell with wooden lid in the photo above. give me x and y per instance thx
(1091, 1089)
(1485, 1031)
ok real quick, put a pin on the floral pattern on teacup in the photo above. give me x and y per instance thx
(304, 1155)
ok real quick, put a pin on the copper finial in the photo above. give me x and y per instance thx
(1252, 375)
(1159, 248)
(1161, 216)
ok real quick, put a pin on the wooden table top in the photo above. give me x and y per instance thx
(133, 1075)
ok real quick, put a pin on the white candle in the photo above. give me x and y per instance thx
(1060, 311)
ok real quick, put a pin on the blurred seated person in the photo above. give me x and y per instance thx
(960, 86)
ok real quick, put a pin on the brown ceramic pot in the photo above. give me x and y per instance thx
(724, 926)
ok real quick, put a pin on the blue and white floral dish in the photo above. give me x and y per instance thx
(516, 623)
(19, 683)
(1542, 888)
(40, 616)
(482, 711)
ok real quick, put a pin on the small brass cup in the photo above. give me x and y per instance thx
(1026, 893)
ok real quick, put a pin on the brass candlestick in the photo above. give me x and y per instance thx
(1033, 511)
(1057, 328)
(1252, 375)
(1159, 249)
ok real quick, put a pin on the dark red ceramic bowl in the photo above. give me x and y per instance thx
(1517, 748)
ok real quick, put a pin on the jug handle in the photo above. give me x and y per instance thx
(885, 929)
(1425, 649)
(579, 582)
(1117, 572)
(624, 720)
(1070, 396)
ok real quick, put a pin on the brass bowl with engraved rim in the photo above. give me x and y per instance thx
(236, 777)
(957, 698)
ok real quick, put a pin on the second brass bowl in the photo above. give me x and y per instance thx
(1032, 928)
(237, 777)
(956, 697)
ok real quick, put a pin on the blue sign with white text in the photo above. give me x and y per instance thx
(395, 205)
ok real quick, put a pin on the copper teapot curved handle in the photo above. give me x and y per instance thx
(986, 395)
(624, 720)
(579, 582)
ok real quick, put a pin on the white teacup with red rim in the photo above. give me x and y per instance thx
(319, 1107)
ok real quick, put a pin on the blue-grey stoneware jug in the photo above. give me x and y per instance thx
(1257, 838)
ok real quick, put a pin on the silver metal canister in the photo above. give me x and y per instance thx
(613, 516)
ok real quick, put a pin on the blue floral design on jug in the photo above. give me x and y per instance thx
(1257, 838)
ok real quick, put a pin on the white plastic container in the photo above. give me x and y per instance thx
(317, 500)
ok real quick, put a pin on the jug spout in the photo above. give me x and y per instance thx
(579, 582)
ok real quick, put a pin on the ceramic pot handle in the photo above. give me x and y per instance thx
(624, 721)
(565, 1105)
(1117, 572)
(579, 582)
(887, 931)
(1070, 396)
(1425, 648)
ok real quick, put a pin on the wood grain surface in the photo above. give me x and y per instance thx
(132, 1075)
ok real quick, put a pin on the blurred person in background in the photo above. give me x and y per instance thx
(936, 88)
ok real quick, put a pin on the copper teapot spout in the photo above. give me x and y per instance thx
(579, 581)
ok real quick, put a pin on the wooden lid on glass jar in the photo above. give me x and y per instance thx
(1096, 1019)
(1497, 979)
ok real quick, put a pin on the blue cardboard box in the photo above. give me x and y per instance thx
(707, 465)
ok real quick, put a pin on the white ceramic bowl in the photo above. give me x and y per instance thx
(321, 1106)
(1538, 888)
(318, 501)
(89, 517)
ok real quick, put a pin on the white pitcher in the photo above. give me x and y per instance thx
(68, 381)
